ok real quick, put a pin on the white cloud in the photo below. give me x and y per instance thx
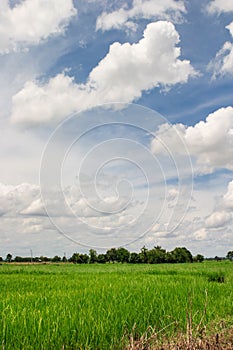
(218, 219)
(228, 197)
(222, 64)
(230, 28)
(210, 142)
(41, 103)
(35, 208)
(219, 6)
(13, 199)
(32, 21)
(200, 234)
(121, 76)
(222, 218)
(124, 17)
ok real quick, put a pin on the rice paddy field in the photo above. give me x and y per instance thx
(68, 306)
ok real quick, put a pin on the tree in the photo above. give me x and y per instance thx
(157, 255)
(101, 259)
(217, 258)
(181, 255)
(92, 256)
(84, 258)
(144, 255)
(9, 257)
(198, 258)
(111, 255)
(56, 258)
(44, 258)
(230, 255)
(135, 258)
(123, 255)
(1, 259)
(77, 258)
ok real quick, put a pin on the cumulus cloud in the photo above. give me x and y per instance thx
(32, 21)
(218, 219)
(13, 199)
(200, 234)
(222, 64)
(35, 208)
(121, 76)
(219, 6)
(228, 197)
(209, 142)
(125, 18)
(222, 218)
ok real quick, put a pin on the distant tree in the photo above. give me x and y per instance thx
(157, 255)
(123, 255)
(77, 258)
(9, 257)
(1, 259)
(101, 259)
(217, 258)
(170, 258)
(56, 258)
(144, 255)
(84, 258)
(135, 258)
(198, 258)
(19, 259)
(36, 259)
(64, 259)
(92, 256)
(44, 258)
(230, 255)
(111, 255)
(181, 255)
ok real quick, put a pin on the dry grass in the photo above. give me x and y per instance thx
(220, 337)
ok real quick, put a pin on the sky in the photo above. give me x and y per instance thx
(116, 125)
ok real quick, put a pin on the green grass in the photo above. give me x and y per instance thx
(96, 306)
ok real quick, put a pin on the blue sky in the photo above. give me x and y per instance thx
(64, 57)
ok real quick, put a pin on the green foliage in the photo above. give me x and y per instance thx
(157, 255)
(216, 277)
(135, 258)
(77, 258)
(123, 255)
(9, 257)
(181, 255)
(92, 256)
(230, 255)
(56, 258)
(198, 258)
(144, 255)
(101, 259)
(111, 255)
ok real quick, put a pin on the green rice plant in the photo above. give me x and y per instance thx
(216, 277)
(94, 306)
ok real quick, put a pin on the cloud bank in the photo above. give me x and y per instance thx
(125, 18)
(209, 142)
(32, 21)
(121, 76)
(219, 6)
(222, 64)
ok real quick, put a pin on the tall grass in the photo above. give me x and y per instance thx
(95, 306)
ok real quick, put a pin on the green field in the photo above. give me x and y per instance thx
(96, 306)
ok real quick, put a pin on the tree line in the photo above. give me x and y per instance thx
(156, 255)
